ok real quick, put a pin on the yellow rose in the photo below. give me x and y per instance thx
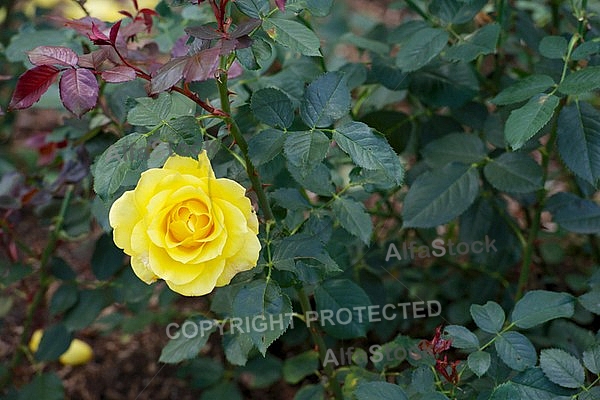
(79, 352)
(183, 225)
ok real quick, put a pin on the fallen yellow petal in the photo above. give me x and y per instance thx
(79, 352)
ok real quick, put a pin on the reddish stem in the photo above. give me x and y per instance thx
(184, 91)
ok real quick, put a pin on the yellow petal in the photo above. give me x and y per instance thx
(149, 185)
(235, 227)
(243, 260)
(123, 216)
(167, 268)
(204, 282)
(141, 267)
(79, 352)
(235, 193)
(200, 168)
(35, 340)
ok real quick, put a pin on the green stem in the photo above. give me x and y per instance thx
(45, 280)
(234, 129)
(334, 386)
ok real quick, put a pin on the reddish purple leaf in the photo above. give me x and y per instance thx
(180, 48)
(32, 85)
(78, 90)
(245, 28)
(83, 26)
(168, 75)
(98, 37)
(280, 4)
(206, 32)
(122, 73)
(114, 31)
(53, 55)
(202, 65)
(235, 70)
(95, 58)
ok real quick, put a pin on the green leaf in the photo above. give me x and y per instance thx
(46, 386)
(505, 391)
(460, 147)
(421, 48)
(310, 392)
(479, 362)
(54, 343)
(534, 385)
(523, 123)
(582, 81)
(183, 135)
(325, 100)
(64, 298)
(370, 151)
(91, 303)
(362, 42)
(253, 8)
(591, 359)
(446, 85)
(353, 218)
(423, 380)
(265, 146)
(524, 89)
(456, 11)
(317, 180)
(574, 213)
(439, 196)
(107, 258)
(290, 199)
(188, 340)
(61, 270)
(344, 303)
(585, 49)
(303, 247)
(268, 310)
(489, 317)
(152, 112)
(461, 337)
(379, 391)
(397, 127)
(298, 367)
(294, 35)
(261, 372)
(578, 140)
(553, 47)
(592, 394)
(126, 155)
(516, 351)
(482, 41)
(272, 107)
(237, 347)
(306, 149)
(318, 8)
(591, 301)
(514, 173)
(562, 368)
(539, 306)
(225, 390)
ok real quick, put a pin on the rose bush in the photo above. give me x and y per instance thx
(183, 225)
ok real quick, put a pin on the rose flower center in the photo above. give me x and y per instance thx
(189, 220)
